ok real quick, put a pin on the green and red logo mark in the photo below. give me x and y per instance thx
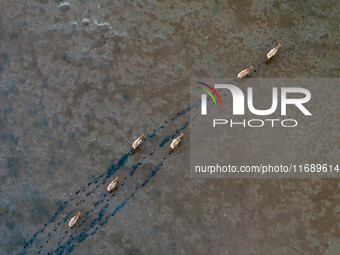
(209, 93)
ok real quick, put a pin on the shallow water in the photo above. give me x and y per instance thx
(74, 96)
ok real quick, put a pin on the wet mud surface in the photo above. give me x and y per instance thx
(81, 80)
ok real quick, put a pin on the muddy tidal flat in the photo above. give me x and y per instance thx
(81, 80)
